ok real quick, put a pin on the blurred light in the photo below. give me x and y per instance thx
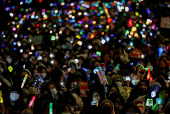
(103, 41)
(107, 39)
(79, 43)
(131, 43)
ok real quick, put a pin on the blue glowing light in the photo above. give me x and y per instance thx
(160, 51)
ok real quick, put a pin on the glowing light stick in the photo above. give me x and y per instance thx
(148, 75)
(10, 68)
(149, 102)
(32, 101)
(160, 51)
(51, 108)
(98, 53)
(159, 101)
(24, 80)
(1, 98)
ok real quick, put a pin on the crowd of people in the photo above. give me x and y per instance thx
(83, 57)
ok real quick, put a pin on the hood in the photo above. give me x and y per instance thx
(118, 76)
(73, 61)
(139, 65)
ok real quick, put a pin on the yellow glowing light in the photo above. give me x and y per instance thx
(136, 35)
(143, 36)
(134, 28)
(30, 53)
(129, 36)
(66, 18)
(32, 47)
(107, 26)
(102, 33)
(56, 34)
(94, 22)
(79, 43)
(17, 26)
(74, 11)
(70, 16)
(131, 32)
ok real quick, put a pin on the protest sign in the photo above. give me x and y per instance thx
(83, 87)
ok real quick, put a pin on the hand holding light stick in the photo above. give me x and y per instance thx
(24, 80)
(32, 101)
(51, 108)
(159, 101)
(148, 75)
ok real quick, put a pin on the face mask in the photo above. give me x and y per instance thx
(119, 84)
(9, 60)
(1, 70)
(43, 75)
(54, 92)
(14, 96)
(24, 55)
(135, 82)
(151, 67)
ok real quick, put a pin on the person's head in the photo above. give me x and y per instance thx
(163, 93)
(49, 68)
(81, 60)
(139, 67)
(143, 87)
(43, 72)
(119, 81)
(25, 55)
(112, 89)
(162, 64)
(135, 80)
(117, 99)
(96, 96)
(106, 57)
(9, 59)
(130, 108)
(35, 72)
(15, 93)
(107, 107)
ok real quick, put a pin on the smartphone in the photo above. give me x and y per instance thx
(93, 103)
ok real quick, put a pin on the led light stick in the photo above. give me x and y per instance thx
(32, 101)
(24, 80)
(149, 102)
(159, 101)
(148, 75)
(1, 98)
(51, 108)
(96, 71)
(160, 51)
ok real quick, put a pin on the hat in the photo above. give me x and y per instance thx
(107, 103)
(24, 72)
